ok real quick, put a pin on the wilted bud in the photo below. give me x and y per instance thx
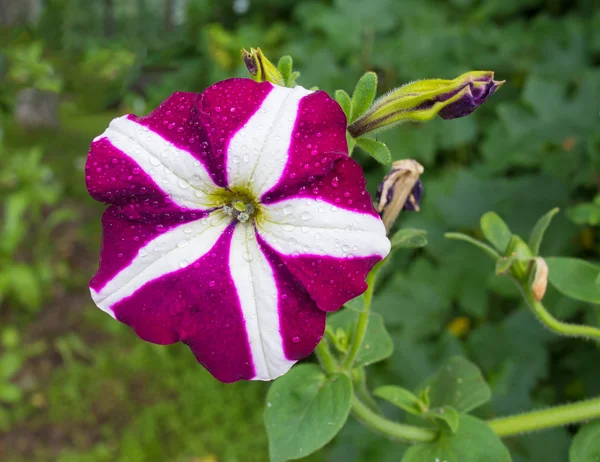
(423, 100)
(540, 279)
(401, 189)
(260, 68)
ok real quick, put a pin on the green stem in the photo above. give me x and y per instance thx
(326, 359)
(363, 320)
(503, 427)
(362, 391)
(561, 328)
(553, 417)
(394, 430)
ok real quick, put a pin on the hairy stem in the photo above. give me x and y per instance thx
(363, 320)
(362, 390)
(394, 430)
(561, 328)
(326, 359)
(547, 418)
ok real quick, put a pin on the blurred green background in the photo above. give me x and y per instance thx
(75, 386)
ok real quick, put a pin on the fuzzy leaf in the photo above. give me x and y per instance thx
(376, 149)
(363, 96)
(343, 99)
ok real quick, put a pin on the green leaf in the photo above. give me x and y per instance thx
(400, 397)
(377, 344)
(574, 278)
(586, 444)
(14, 223)
(9, 392)
(446, 414)
(463, 237)
(495, 231)
(474, 441)
(538, 231)
(305, 410)
(458, 383)
(10, 363)
(363, 96)
(376, 149)
(25, 286)
(409, 238)
(585, 214)
(343, 99)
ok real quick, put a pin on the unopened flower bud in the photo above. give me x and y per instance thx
(260, 68)
(401, 189)
(423, 100)
(540, 279)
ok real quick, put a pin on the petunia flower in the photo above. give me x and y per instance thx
(236, 221)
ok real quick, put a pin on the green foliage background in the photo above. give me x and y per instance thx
(76, 386)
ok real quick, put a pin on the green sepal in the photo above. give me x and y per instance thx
(495, 231)
(376, 149)
(363, 95)
(522, 255)
(343, 99)
(538, 231)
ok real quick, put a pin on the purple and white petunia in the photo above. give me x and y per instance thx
(236, 221)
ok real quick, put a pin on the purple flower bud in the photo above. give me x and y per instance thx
(473, 95)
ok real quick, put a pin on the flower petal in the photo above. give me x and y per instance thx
(329, 249)
(318, 140)
(129, 163)
(258, 152)
(151, 256)
(342, 185)
(199, 305)
(224, 109)
(282, 322)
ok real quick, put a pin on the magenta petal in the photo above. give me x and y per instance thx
(224, 109)
(329, 281)
(199, 306)
(122, 239)
(114, 178)
(202, 124)
(301, 322)
(318, 139)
